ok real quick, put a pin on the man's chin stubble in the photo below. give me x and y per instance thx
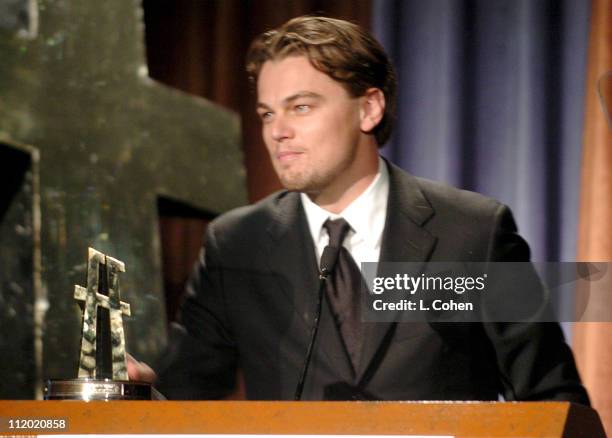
(297, 184)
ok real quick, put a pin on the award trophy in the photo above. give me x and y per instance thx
(102, 373)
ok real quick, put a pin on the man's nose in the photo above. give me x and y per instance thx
(281, 128)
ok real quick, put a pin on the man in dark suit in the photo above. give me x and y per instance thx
(326, 93)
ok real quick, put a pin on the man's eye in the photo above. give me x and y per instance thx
(302, 108)
(265, 116)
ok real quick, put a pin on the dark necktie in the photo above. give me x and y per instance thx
(343, 289)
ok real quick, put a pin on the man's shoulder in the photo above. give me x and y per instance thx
(250, 220)
(445, 199)
(466, 223)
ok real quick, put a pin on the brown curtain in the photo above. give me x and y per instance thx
(593, 340)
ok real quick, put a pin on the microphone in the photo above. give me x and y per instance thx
(328, 262)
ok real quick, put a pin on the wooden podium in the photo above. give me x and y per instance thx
(463, 419)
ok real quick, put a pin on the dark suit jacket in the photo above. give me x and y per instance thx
(251, 300)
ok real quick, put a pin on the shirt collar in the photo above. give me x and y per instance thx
(366, 214)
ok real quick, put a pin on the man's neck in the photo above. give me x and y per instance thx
(335, 203)
(347, 188)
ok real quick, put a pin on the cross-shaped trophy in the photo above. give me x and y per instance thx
(102, 371)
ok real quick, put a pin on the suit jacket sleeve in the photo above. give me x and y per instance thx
(534, 361)
(201, 359)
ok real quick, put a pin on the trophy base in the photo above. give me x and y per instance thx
(97, 389)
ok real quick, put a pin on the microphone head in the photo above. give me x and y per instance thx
(328, 260)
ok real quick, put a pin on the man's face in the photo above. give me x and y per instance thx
(311, 125)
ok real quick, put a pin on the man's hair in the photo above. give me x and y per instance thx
(342, 50)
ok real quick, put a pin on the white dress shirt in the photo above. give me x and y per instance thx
(366, 216)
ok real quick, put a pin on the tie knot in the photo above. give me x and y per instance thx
(337, 230)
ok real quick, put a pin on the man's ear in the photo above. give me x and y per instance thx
(372, 109)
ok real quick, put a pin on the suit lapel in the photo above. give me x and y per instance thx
(291, 255)
(404, 240)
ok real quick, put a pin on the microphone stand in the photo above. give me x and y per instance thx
(328, 261)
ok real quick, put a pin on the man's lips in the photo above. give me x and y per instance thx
(284, 156)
